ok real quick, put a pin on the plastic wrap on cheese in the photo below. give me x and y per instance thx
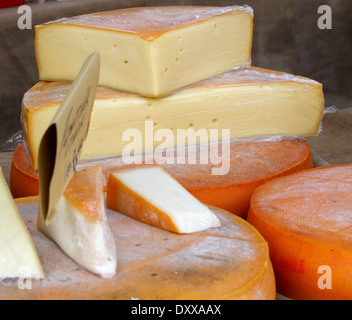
(151, 51)
(241, 104)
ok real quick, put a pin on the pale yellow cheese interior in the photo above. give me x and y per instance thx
(250, 102)
(18, 256)
(150, 63)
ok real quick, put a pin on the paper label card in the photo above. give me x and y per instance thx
(62, 142)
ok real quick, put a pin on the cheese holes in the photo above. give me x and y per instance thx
(149, 105)
(191, 125)
(114, 45)
(125, 62)
(215, 121)
(166, 70)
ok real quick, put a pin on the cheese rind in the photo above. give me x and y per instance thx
(152, 196)
(80, 227)
(249, 102)
(306, 217)
(18, 255)
(151, 51)
(231, 262)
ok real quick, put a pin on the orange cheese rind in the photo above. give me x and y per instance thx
(305, 219)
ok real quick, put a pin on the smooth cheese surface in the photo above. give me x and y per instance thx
(230, 262)
(306, 219)
(80, 226)
(250, 165)
(250, 102)
(18, 255)
(153, 196)
(150, 51)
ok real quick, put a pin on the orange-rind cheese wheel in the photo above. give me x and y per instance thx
(306, 218)
(251, 163)
(230, 262)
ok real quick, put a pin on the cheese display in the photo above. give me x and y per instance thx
(80, 227)
(249, 165)
(18, 255)
(306, 219)
(230, 262)
(186, 141)
(150, 51)
(246, 103)
(152, 196)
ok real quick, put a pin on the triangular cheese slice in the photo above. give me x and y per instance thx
(18, 256)
(80, 227)
(154, 197)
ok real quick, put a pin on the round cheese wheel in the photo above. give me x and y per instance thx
(306, 218)
(227, 262)
(249, 165)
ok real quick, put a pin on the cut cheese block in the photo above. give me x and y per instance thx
(80, 226)
(18, 255)
(306, 219)
(250, 165)
(152, 196)
(150, 51)
(239, 104)
(229, 262)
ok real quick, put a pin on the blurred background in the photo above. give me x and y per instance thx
(286, 38)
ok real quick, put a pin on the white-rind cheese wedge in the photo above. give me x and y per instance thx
(80, 227)
(18, 255)
(152, 196)
(150, 51)
(249, 102)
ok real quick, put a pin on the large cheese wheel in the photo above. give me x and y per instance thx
(306, 219)
(229, 262)
(250, 165)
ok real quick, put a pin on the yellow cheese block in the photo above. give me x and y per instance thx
(226, 263)
(246, 103)
(18, 255)
(80, 227)
(151, 51)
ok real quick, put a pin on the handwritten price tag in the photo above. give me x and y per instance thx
(61, 144)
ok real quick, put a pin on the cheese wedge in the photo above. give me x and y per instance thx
(80, 227)
(250, 102)
(18, 255)
(152, 196)
(306, 219)
(151, 51)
